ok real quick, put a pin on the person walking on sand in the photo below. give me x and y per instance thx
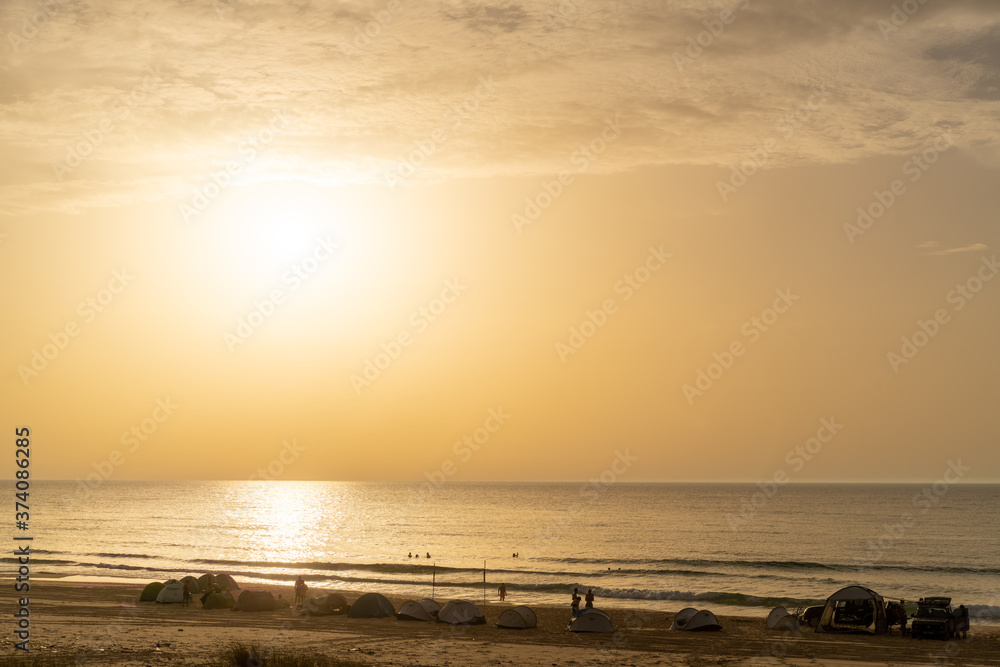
(590, 598)
(502, 592)
(186, 600)
(300, 590)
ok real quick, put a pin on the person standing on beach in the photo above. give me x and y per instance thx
(576, 601)
(300, 590)
(502, 592)
(590, 598)
(186, 600)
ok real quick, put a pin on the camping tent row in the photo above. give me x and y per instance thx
(152, 592)
(695, 620)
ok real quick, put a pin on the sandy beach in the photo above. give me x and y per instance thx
(104, 624)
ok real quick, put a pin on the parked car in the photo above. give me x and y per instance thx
(934, 619)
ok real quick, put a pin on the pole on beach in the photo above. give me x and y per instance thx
(484, 583)
(434, 574)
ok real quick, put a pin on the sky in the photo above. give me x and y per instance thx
(458, 241)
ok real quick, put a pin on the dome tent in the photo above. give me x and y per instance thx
(257, 601)
(192, 583)
(694, 620)
(150, 592)
(461, 612)
(425, 610)
(591, 620)
(854, 609)
(226, 581)
(518, 618)
(206, 580)
(222, 600)
(329, 605)
(780, 619)
(372, 605)
(171, 593)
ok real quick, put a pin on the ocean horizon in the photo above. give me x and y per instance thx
(737, 548)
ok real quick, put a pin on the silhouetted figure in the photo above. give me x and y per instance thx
(502, 592)
(590, 598)
(428, 554)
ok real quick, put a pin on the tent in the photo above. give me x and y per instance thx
(780, 619)
(518, 618)
(205, 580)
(171, 593)
(371, 605)
(854, 609)
(695, 620)
(425, 610)
(591, 620)
(461, 612)
(150, 592)
(218, 601)
(257, 601)
(226, 581)
(192, 584)
(329, 605)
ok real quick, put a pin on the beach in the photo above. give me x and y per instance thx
(103, 623)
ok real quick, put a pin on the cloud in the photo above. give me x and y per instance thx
(935, 248)
(365, 83)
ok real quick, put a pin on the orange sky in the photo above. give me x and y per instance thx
(501, 241)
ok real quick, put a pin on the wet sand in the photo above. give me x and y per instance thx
(105, 624)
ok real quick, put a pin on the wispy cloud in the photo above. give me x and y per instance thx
(935, 248)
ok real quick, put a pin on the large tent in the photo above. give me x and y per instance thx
(461, 612)
(853, 609)
(205, 581)
(171, 593)
(329, 605)
(226, 581)
(518, 618)
(425, 610)
(591, 620)
(695, 620)
(150, 592)
(372, 605)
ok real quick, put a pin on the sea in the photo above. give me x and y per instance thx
(731, 548)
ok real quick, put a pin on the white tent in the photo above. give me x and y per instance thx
(853, 609)
(461, 612)
(591, 620)
(171, 593)
(780, 619)
(692, 620)
(518, 617)
(425, 610)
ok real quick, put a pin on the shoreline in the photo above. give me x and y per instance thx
(105, 624)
